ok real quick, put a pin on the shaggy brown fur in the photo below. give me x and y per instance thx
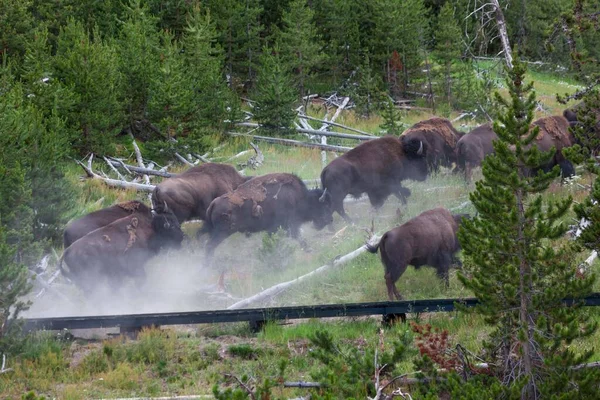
(438, 126)
(472, 148)
(130, 206)
(268, 202)
(119, 250)
(97, 219)
(189, 194)
(555, 126)
(427, 239)
(440, 137)
(554, 132)
(376, 167)
(256, 190)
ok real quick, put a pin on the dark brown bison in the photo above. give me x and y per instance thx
(377, 168)
(440, 138)
(267, 203)
(427, 239)
(119, 250)
(472, 148)
(189, 194)
(554, 132)
(97, 219)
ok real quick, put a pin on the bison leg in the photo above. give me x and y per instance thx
(215, 239)
(443, 267)
(391, 288)
(566, 168)
(468, 172)
(338, 206)
(402, 194)
(294, 231)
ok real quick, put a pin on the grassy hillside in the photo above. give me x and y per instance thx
(190, 360)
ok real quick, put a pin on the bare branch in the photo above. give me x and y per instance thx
(183, 160)
(242, 384)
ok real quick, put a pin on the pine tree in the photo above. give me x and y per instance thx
(274, 94)
(15, 217)
(89, 67)
(300, 44)
(447, 46)
(391, 119)
(516, 268)
(138, 45)
(367, 92)
(339, 24)
(172, 94)
(241, 31)
(14, 284)
(35, 136)
(204, 66)
(16, 23)
(408, 29)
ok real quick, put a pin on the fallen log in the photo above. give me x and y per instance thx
(279, 288)
(115, 182)
(184, 160)
(314, 132)
(121, 177)
(290, 142)
(140, 170)
(336, 124)
(138, 157)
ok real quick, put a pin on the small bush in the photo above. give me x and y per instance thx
(211, 352)
(123, 377)
(40, 343)
(153, 346)
(244, 351)
(95, 362)
(276, 249)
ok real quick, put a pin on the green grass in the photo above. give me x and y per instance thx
(168, 362)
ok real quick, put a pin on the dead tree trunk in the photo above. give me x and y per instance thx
(501, 23)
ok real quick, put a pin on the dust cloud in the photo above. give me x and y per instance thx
(180, 280)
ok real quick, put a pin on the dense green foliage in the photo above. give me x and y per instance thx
(515, 267)
(77, 74)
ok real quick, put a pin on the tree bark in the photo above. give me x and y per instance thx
(501, 23)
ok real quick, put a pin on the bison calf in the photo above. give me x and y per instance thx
(119, 250)
(97, 219)
(427, 239)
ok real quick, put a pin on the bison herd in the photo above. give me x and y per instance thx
(115, 243)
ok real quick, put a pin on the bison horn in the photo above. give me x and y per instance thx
(420, 151)
(166, 207)
(322, 198)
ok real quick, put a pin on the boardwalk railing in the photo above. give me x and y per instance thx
(259, 315)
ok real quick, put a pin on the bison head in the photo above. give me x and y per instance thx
(319, 208)
(167, 230)
(416, 161)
